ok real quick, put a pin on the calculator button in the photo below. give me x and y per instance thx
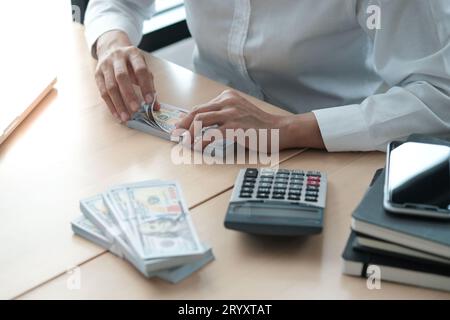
(282, 176)
(280, 186)
(298, 174)
(312, 188)
(249, 179)
(266, 179)
(295, 188)
(267, 174)
(248, 184)
(296, 181)
(294, 197)
(246, 189)
(312, 194)
(264, 185)
(245, 195)
(251, 173)
(295, 192)
(263, 190)
(283, 171)
(311, 199)
(313, 183)
(262, 195)
(278, 195)
(313, 174)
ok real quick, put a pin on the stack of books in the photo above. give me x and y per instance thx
(414, 251)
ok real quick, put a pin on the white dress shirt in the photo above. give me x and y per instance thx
(365, 86)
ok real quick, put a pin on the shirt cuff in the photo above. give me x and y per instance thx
(109, 22)
(344, 129)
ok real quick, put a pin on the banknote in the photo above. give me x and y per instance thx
(161, 123)
(95, 210)
(164, 225)
(83, 227)
(154, 219)
(116, 200)
(155, 200)
(163, 119)
(167, 117)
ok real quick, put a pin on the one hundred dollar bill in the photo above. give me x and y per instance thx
(83, 227)
(154, 219)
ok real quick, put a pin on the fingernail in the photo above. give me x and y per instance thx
(134, 106)
(148, 98)
(124, 116)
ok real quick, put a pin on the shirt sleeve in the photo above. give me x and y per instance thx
(411, 53)
(125, 15)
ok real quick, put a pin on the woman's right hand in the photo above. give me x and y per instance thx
(120, 65)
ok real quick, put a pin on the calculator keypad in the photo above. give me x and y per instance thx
(282, 184)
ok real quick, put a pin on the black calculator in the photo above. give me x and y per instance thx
(277, 202)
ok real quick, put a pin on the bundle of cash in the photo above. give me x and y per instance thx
(148, 224)
(157, 122)
(161, 123)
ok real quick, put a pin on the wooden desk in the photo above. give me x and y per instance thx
(249, 267)
(71, 147)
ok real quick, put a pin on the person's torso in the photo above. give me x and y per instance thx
(297, 54)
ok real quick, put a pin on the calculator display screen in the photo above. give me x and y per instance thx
(420, 174)
(273, 210)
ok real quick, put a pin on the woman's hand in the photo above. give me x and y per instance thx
(120, 65)
(231, 111)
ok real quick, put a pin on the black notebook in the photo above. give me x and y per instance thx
(370, 244)
(427, 235)
(406, 271)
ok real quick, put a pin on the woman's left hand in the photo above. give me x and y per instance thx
(232, 111)
(229, 110)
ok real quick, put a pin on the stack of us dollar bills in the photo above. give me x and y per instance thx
(148, 224)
